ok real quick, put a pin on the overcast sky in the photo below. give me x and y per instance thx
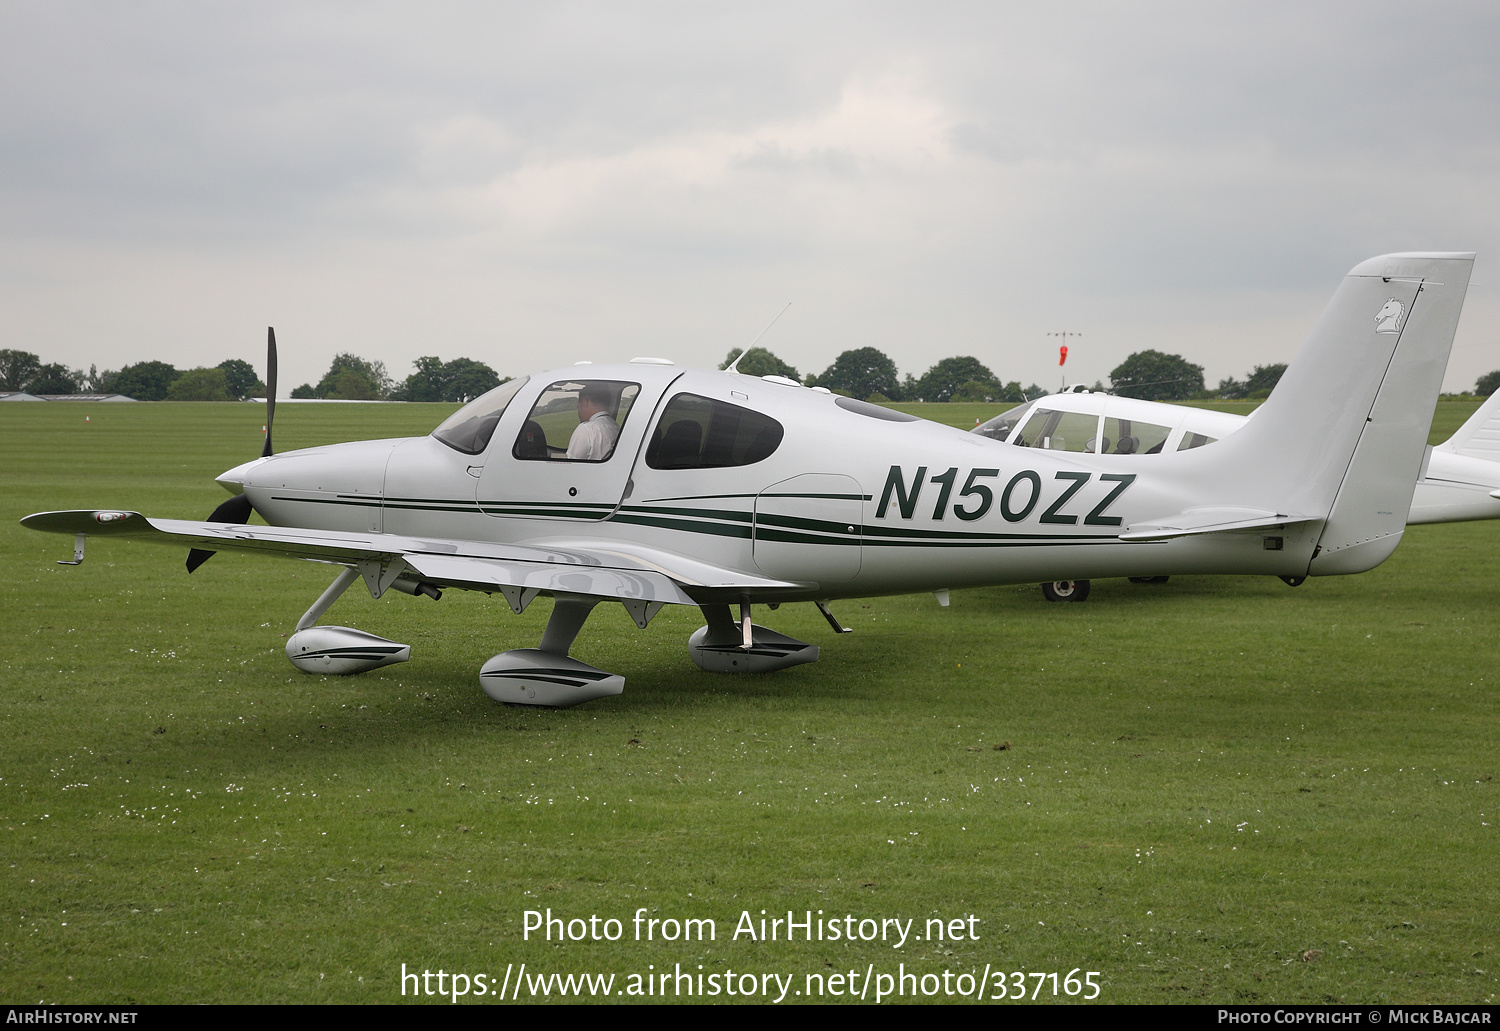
(536, 184)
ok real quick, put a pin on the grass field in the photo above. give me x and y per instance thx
(1213, 790)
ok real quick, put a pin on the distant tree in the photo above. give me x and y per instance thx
(348, 385)
(200, 385)
(17, 369)
(945, 378)
(426, 384)
(97, 382)
(462, 379)
(1155, 376)
(760, 362)
(240, 379)
(974, 390)
(352, 378)
(1032, 391)
(1230, 388)
(303, 392)
(1488, 383)
(55, 379)
(467, 379)
(1012, 391)
(862, 372)
(1264, 377)
(144, 381)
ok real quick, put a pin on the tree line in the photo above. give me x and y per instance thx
(352, 378)
(868, 373)
(233, 380)
(863, 372)
(349, 377)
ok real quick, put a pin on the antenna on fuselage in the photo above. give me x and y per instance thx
(762, 333)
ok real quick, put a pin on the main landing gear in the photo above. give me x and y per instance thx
(1066, 590)
(1078, 590)
(724, 646)
(546, 675)
(344, 650)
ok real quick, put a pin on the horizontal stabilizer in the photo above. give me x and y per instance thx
(1195, 521)
(1479, 436)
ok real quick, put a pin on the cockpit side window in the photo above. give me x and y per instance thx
(1133, 437)
(469, 429)
(1061, 431)
(701, 433)
(576, 421)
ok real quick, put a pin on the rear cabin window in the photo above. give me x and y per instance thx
(1192, 440)
(701, 433)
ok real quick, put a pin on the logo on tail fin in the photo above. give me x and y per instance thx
(1388, 318)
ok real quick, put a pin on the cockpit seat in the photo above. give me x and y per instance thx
(532, 443)
(680, 445)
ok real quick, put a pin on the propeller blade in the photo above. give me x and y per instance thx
(270, 390)
(236, 510)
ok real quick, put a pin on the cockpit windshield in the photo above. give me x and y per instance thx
(469, 429)
(1000, 426)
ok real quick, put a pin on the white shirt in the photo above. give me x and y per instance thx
(594, 440)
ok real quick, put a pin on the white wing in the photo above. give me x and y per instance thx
(598, 568)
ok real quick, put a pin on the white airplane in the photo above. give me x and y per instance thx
(1459, 479)
(726, 491)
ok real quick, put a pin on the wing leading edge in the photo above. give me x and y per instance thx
(580, 567)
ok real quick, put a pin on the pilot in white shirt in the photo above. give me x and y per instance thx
(594, 439)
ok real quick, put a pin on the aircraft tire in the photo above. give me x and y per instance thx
(1066, 590)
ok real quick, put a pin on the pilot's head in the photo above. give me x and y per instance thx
(592, 400)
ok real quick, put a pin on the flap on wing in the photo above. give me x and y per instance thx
(487, 574)
(1195, 521)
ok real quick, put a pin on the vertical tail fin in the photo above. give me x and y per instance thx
(1343, 435)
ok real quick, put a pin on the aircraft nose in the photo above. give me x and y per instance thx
(233, 480)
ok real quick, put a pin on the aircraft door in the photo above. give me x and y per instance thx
(572, 454)
(808, 528)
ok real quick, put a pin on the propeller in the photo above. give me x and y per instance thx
(270, 387)
(238, 508)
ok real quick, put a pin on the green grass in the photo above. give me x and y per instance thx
(1197, 783)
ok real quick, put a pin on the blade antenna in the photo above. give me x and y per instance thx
(270, 387)
(762, 333)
